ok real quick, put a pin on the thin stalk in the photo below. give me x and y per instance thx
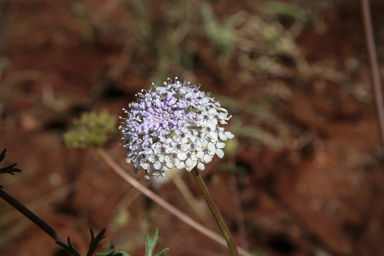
(215, 212)
(32, 217)
(374, 66)
(163, 203)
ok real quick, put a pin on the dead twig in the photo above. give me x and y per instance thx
(374, 66)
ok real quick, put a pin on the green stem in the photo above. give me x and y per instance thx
(31, 216)
(216, 213)
(163, 203)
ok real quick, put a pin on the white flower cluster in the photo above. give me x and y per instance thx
(175, 125)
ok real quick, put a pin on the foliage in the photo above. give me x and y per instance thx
(70, 250)
(9, 169)
(150, 241)
(150, 244)
(92, 247)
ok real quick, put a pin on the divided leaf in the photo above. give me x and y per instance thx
(95, 241)
(111, 252)
(9, 169)
(150, 244)
(69, 248)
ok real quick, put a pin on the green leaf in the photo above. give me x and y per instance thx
(69, 248)
(150, 244)
(124, 253)
(162, 252)
(106, 253)
(95, 241)
(111, 251)
(8, 169)
(2, 155)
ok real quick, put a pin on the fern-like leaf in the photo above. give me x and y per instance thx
(70, 250)
(9, 169)
(95, 241)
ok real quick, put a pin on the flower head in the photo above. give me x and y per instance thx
(174, 125)
(91, 130)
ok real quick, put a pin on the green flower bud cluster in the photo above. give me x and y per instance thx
(90, 130)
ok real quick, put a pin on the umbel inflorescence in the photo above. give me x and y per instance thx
(174, 125)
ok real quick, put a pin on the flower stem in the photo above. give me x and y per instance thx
(215, 211)
(32, 217)
(164, 203)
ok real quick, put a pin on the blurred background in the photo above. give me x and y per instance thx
(304, 175)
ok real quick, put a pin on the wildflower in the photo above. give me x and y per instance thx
(173, 126)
